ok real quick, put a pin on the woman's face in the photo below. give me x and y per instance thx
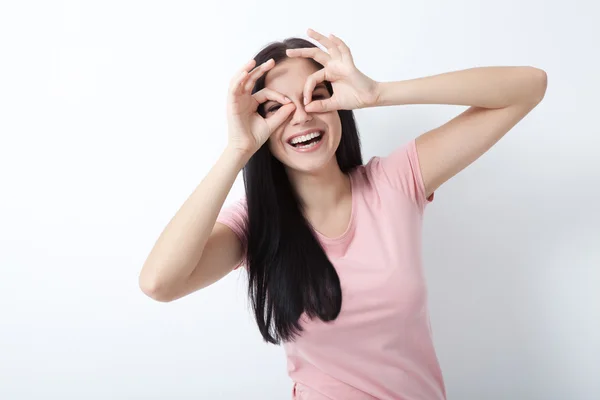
(305, 142)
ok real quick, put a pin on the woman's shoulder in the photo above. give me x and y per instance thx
(398, 171)
(368, 172)
(234, 214)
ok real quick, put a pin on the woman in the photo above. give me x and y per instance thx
(332, 247)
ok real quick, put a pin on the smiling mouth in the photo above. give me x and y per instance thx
(306, 141)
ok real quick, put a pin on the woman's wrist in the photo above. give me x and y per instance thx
(236, 156)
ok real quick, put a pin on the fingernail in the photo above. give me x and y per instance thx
(305, 101)
(287, 99)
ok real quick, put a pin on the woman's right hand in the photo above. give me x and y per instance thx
(248, 131)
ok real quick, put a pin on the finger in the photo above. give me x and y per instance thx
(268, 94)
(321, 106)
(310, 52)
(331, 48)
(280, 116)
(237, 86)
(236, 83)
(312, 81)
(257, 73)
(344, 49)
(249, 65)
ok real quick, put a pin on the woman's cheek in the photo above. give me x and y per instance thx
(274, 144)
(275, 138)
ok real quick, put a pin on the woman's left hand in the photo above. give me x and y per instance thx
(351, 88)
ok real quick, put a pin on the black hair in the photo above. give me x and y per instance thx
(288, 270)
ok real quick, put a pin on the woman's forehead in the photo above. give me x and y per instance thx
(289, 73)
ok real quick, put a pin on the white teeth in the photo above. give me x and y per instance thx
(307, 146)
(304, 138)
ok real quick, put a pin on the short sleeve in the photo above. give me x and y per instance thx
(402, 170)
(235, 216)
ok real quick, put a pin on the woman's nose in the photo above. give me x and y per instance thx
(300, 115)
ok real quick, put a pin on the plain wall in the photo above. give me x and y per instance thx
(112, 112)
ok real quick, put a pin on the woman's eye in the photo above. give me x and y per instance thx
(276, 107)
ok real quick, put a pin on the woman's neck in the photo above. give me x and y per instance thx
(322, 190)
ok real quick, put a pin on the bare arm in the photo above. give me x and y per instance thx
(191, 252)
(499, 98)
(194, 251)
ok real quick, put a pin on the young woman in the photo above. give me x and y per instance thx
(332, 246)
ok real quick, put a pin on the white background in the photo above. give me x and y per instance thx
(111, 112)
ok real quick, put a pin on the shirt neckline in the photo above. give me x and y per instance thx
(350, 227)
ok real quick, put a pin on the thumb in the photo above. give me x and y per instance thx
(281, 115)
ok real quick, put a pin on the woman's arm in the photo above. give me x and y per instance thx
(192, 251)
(499, 98)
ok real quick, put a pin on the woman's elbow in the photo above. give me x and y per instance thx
(541, 78)
(152, 288)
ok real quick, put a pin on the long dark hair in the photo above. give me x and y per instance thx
(288, 270)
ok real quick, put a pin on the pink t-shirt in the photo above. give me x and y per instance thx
(380, 346)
